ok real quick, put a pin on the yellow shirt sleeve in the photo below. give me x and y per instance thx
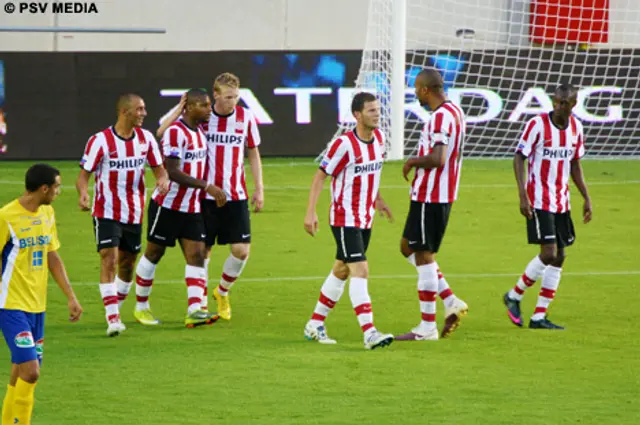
(54, 244)
(4, 232)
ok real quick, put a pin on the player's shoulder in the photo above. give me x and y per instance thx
(100, 136)
(48, 211)
(146, 134)
(578, 123)
(7, 208)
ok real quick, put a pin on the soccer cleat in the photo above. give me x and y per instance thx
(543, 324)
(513, 310)
(115, 328)
(145, 317)
(377, 339)
(224, 307)
(199, 318)
(418, 334)
(452, 316)
(317, 334)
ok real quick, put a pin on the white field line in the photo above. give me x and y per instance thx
(389, 277)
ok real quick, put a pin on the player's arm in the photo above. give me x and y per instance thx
(383, 208)
(162, 178)
(435, 159)
(154, 159)
(311, 218)
(257, 200)
(173, 116)
(82, 186)
(59, 273)
(521, 180)
(578, 179)
(183, 179)
(93, 156)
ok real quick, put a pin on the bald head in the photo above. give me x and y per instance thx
(430, 78)
(125, 102)
(566, 90)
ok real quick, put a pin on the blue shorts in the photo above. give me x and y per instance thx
(24, 333)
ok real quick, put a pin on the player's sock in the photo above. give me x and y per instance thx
(194, 276)
(7, 405)
(330, 294)
(145, 272)
(444, 291)
(230, 271)
(361, 301)
(123, 290)
(412, 259)
(109, 293)
(205, 295)
(548, 288)
(23, 402)
(427, 290)
(534, 270)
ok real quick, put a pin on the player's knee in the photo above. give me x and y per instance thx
(109, 259)
(241, 252)
(340, 270)
(360, 269)
(154, 255)
(404, 248)
(30, 374)
(559, 259)
(548, 254)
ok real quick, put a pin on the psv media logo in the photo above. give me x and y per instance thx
(52, 7)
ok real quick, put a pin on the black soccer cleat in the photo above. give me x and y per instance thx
(513, 310)
(544, 324)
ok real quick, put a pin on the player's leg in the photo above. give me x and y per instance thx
(236, 231)
(212, 225)
(330, 293)
(540, 231)
(128, 251)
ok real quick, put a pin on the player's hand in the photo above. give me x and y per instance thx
(384, 209)
(406, 169)
(84, 202)
(257, 200)
(163, 185)
(75, 310)
(525, 208)
(218, 194)
(311, 223)
(183, 103)
(587, 211)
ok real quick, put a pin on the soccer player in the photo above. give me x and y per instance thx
(175, 215)
(29, 245)
(117, 156)
(553, 144)
(230, 129)
(354, 161)
(433, 192)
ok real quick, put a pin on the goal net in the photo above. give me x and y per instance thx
(501, 61)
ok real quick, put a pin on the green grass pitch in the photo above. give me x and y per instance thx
(258, 369)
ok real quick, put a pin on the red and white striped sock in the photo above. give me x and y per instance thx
(427, 290)
(231, 269)
(145, 272)
(205, 295)
(548, 288)
(361, 301)
(330, 294)
(194, 276)
(534, 270)
(444, 291)
(123, 290)
(109, 293)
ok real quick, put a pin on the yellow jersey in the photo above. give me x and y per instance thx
(25, 240)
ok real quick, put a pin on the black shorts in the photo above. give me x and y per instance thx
(426, 225)
(113, 234)
(352, 243)
(228, 224)
(167, 225)
(551, 228)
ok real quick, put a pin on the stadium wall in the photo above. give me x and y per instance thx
(213, 25)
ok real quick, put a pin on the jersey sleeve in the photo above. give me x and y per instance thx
(579, 151)
(529, 138)
(438, 133)
(154, 157)
(54, 243)
(93, 154)
(173, 143)
(253, 134)
(5, 235)
(337, 158)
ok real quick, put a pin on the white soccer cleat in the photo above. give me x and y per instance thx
(452, 316)
(319, 334)
(115, 328)
(418, 334)
(377, 339)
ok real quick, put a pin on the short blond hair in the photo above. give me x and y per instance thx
(226, 79)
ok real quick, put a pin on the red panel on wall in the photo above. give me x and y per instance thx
(569, 21)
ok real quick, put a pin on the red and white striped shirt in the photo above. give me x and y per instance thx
(356, 167)
(227, 137)
(119, 166)
(189, 146)
(446, 126)
(550, 151)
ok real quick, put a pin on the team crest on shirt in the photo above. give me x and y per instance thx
(24, 340)
(174, 152)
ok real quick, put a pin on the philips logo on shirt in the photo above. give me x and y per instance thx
(34, 241)
(225, 139)
(371, 167)
(124, 164)
(194, 156)
(557, 153)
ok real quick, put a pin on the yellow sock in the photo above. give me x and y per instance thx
(23, 402)
(7, 406)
